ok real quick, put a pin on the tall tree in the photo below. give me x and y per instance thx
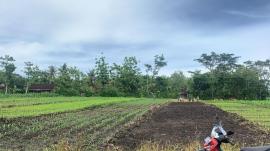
(227, 62)
(218, 65)
(19, 83)
(263, 69)
(2, 79)
(76, 76)
(210, 62)
(127, 76)
(37, 74)
(64, 82)
(159, 62)
(34, 75)
(177, 82)
(28, 70)
(52, 70)
(102, 72)
(91, 80)
(7, 63)
(148, 69)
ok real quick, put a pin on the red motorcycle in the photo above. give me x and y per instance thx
(220, 136)
(217, 138)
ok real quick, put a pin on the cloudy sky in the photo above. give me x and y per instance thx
(51, 32)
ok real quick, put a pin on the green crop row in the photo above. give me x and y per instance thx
(24, 107)
(43, 94)
(257, 111)
(86, 129)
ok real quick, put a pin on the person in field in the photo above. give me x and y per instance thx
(218, 136)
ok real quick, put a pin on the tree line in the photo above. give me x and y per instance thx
(225, 78)
(124, 79)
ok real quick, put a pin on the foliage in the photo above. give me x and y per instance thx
(126, 77)
(8, 66)
(102, 72)
(257, 111)
(159, 62)
(226, 79)
(177, 82)
(110, 91)
(15, 106)
(68, 82)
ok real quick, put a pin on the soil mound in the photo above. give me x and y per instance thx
(186, 122)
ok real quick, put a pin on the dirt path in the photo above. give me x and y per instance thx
(187, 122)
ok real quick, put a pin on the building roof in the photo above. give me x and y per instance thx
(41, 87)
(2, 86)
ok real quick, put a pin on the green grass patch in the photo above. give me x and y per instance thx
(257, 111)
(12, 107)
(83, 128)
(43, 94)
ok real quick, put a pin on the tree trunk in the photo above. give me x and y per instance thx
(26, 89)
(212, 85)
(212, 91)
(147, 86)
(6, 89)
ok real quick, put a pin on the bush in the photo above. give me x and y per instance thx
(110, 91)
(88, 92)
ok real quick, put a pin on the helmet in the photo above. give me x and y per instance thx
(217, 131)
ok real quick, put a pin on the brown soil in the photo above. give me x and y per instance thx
(185, 123)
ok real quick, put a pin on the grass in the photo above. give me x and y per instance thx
(148, 146)
(83, 123)
(12, 107)
(91, 122)
(257, 111)
(43, 94)
(194, 146)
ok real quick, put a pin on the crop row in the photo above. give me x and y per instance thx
(25, 107)
(254, 110)
(87, 128)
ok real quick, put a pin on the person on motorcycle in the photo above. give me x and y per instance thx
(218, 136)
(212, 145)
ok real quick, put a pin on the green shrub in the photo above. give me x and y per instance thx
(110, 91)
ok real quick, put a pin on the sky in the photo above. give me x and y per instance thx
(53, 32)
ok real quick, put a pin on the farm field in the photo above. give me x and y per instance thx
(254, 110)
(134, 75)
(22, 107)
(89, 123)
(184, 125)
(83, 123)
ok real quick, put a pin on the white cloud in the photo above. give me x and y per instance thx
(22, 50)
(77, 31)
(246, 14)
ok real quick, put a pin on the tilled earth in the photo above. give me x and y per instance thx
(185, 123)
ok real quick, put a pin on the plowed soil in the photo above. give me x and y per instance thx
(185, 123)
